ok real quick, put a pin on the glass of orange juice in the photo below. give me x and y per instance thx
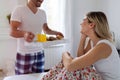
(41, 37)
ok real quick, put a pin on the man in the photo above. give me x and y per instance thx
(25, 22)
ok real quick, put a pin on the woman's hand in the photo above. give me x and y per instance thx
(66, 54)
(83, 36)
(66, 58)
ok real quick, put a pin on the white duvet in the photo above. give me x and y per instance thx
(36, 76)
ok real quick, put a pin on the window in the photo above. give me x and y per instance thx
(54, 11)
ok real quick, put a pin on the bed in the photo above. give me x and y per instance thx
(36, 76)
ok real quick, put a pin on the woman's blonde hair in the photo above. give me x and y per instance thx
(101, 24)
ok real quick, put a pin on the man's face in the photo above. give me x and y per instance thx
(37, 2)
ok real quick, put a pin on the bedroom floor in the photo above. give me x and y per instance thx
(2, 75)
(4, 72)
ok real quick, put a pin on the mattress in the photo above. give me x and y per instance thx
(36, 76)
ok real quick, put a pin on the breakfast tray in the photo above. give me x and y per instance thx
(47, 43)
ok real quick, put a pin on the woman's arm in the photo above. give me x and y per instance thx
(66, 58)
(100, 51)
(82, 49)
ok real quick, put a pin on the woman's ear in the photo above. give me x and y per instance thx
(92, 25)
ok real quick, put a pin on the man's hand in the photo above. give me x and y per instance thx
(29, 36)
(59, 35)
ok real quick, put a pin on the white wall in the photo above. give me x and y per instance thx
(7, 51)
(114, 19)
(5, 8)
(7, 44)
(81, 7)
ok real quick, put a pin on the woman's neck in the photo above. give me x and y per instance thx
(94, 38)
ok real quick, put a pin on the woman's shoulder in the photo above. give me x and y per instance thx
(105, 41)
(106, 44)
(105, 47)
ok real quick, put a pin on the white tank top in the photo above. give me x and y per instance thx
(109, 68)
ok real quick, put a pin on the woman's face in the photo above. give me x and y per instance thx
(85, 26)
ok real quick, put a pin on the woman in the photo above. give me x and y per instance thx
(99, 52)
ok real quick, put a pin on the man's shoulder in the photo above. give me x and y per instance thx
(20, 7)
(41, 11)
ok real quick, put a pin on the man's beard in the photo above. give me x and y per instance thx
(38, 3)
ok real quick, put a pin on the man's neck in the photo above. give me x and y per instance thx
(32, 7)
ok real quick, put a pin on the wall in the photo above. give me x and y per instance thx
(7, 44)
(81, 7)
(114, 19)
(7, 51)
(5, 8)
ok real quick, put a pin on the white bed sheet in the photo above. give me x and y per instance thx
(36, 76)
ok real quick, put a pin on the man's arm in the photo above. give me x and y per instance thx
(17, 33)
(47, 30)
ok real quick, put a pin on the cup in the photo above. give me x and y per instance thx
(41, 37)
